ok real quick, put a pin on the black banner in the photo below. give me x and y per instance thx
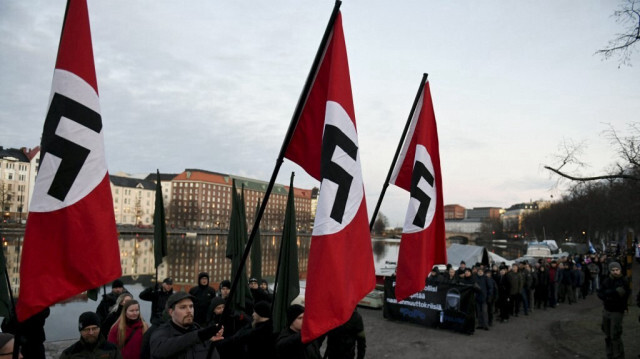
(443, 305)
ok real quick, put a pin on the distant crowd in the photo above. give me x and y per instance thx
(503, 292)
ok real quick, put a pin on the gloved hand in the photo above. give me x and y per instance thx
(207, 333)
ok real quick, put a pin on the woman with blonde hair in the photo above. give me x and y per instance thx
(127, 332)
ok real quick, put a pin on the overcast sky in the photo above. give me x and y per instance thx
(213, 85)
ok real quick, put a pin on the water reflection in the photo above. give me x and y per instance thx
(188, 256)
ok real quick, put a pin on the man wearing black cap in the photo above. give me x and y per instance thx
(614, 292)
(203, 294)
(109, 299)
(158, 296)
(225, 288)
(91, 343)
(289, 343)
(182, 337)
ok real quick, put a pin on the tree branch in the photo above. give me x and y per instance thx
(595, 178)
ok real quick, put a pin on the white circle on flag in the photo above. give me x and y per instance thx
(94, 167)
(324, 224)
(422, 155)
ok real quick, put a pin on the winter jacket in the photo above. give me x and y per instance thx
(482, 292)
(342, 341)
(289, 346)
(203, 294)
(108, 301)
(257, 342)
(614, 293)
(173, 342)
(158, 299)
(133, 338)
(101, 349)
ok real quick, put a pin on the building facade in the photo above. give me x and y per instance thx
(133, 200)
(454, 211)
(483, 213)
(202, 200)
(18, 168)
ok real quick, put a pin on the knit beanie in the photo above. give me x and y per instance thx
(263, 309)
(293, 312)
(88, 319)
(613, 265)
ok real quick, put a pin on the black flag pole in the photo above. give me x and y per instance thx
(395, 157)
(287, 139)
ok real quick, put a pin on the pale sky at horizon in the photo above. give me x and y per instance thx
(213, 85)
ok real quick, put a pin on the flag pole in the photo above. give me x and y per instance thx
(285, 143)
(395, 157)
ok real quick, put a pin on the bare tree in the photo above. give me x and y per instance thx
(626, 167)
(628, 14)
(380, 224)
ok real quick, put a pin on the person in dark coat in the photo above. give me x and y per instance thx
(203, 294)
(109, 299)
(91, 343)
(504, 294)
(158, 296)
(257, 340)
(232, 323)
(614, 292)
(289, 343)
(541, 294)
(343, 341)
(482, 294)
(31, 332)
(264, 285)
(181, 337)
(492, 298)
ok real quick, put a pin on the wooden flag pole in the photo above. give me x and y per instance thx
(395, 157)
(285, 144)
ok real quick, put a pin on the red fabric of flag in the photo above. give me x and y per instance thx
(71, 242)
(418, 171)
(325, 144)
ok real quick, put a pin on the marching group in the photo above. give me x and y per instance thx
(196, 325)
(503, 292)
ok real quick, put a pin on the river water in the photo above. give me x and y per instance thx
(188, 255)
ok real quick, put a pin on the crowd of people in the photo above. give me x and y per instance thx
(196, 324)
(503, 292)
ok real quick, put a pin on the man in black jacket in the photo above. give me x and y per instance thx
(614, 292)
(203, 294)
(343, 340)
(91, 343)
(109, 299)
(158, 296)
(182, 337)
(289, 343)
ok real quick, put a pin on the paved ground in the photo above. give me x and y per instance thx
(568, 331)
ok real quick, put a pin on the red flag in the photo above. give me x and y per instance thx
(71, 242)
(418, 171)
(325, 144)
